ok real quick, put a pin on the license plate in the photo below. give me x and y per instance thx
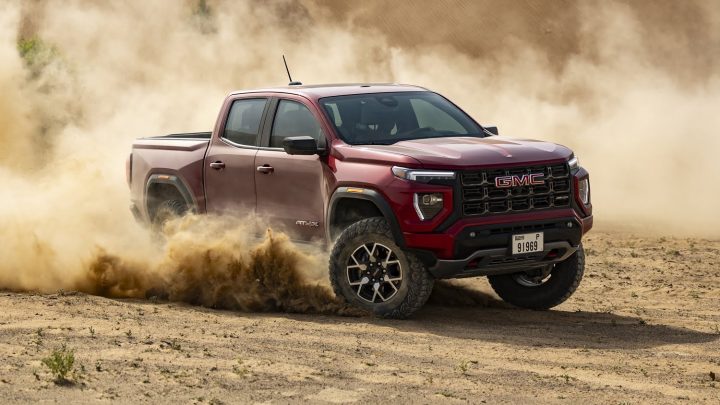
(527, 243)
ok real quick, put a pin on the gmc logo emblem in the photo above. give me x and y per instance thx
(533, 179)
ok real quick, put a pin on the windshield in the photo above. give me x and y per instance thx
(386, 118)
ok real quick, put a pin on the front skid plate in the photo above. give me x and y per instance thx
(500, 261)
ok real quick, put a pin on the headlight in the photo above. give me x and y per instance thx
(584, 190)
(574, 163)
(427, 205)
(423, 176)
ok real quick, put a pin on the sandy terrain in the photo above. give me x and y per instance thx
(630, 86)
(643, 327)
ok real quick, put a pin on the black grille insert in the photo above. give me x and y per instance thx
(480, 195)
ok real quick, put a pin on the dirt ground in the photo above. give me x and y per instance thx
(643, 327)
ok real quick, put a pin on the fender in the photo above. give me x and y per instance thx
(176, 182)
(368, 195)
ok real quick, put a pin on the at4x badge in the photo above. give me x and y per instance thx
(312, 224)
(533, 179)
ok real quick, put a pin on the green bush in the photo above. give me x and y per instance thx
(61, 363)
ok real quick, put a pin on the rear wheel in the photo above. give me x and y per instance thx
(370, 271)
(166, 211)
(541, 288)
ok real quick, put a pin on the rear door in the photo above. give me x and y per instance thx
(291, 189)
(230, 160)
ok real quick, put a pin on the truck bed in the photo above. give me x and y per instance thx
(179, 157)
(188, 135)
(187, 141)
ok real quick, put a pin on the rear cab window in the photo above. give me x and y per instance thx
(244, 121)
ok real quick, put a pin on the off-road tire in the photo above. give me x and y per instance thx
(166, 211)
(564, 280)
(416, 284)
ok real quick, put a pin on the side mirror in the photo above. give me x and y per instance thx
(301, 145)
(492, 130)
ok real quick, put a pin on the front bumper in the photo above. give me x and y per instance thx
(482, 247)
(498, 261)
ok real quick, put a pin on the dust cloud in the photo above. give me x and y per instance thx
(632, 87)
(211, 262)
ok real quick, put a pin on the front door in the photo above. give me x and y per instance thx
(291, 189)
(230, 160)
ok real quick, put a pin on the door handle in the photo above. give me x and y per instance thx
(266, 169)
(217, 165)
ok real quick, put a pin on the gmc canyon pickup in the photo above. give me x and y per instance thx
(403, 184)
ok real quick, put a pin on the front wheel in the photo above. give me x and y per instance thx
(541, 288)
(370, 271)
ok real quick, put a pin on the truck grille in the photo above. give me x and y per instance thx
(480, 196)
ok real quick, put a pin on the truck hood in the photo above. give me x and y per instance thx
(466, 152)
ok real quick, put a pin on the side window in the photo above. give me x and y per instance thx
(429, 116)
(294, 119)
(243, 123)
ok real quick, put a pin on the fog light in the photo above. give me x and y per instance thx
(584, 191)
(427, 205)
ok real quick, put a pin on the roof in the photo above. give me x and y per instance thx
(329, 90)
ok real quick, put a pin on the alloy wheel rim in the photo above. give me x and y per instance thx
(535, 278)
(374, 272)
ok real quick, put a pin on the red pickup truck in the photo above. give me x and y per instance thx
(405, 186)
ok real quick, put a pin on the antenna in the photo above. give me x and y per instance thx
(292, 83)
